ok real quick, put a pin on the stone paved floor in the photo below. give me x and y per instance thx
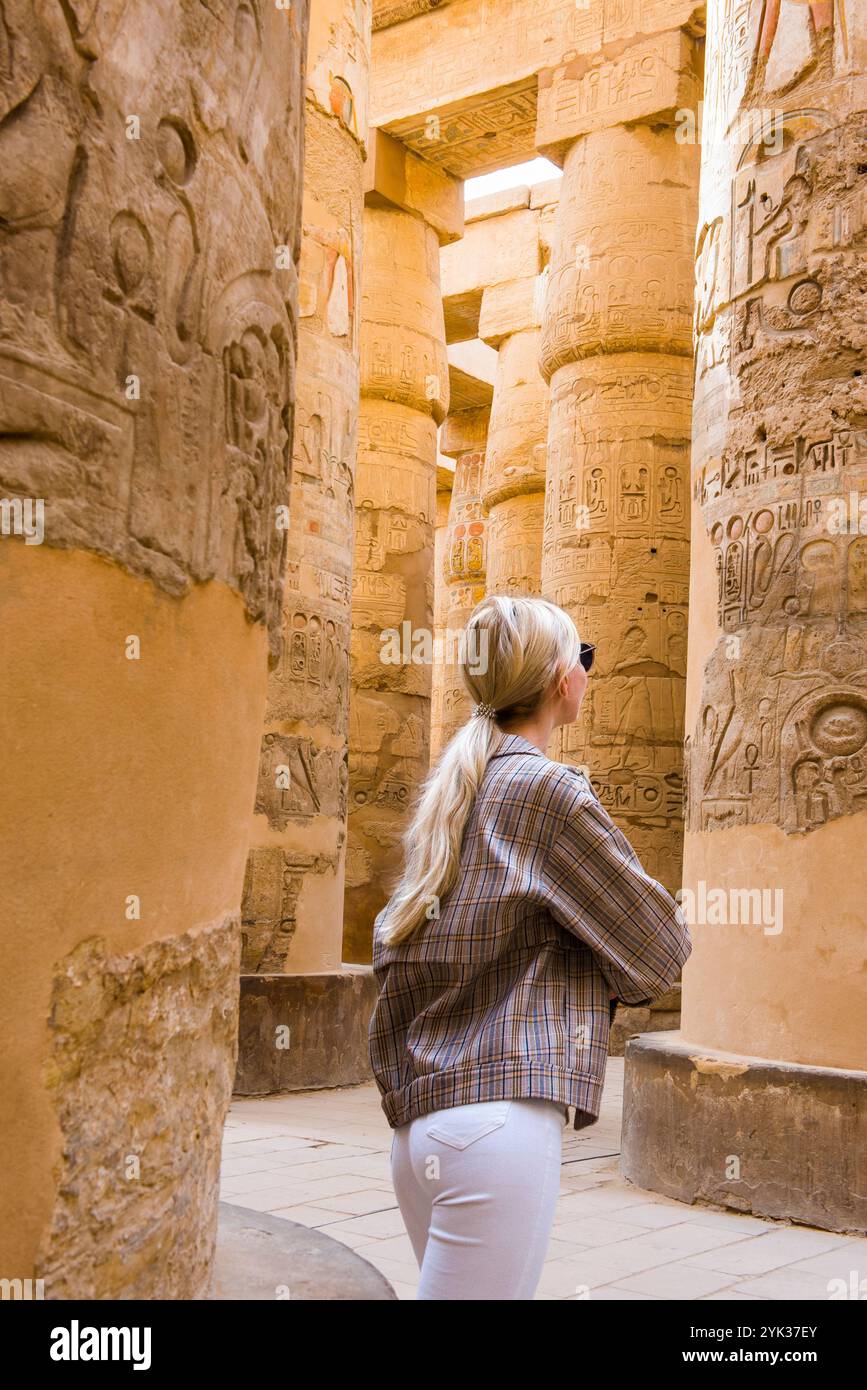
(322, 1158)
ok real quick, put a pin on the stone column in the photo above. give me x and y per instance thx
(293, 899)
(616, 349)
(463, 437)
(148, 294)
(777, 685)
(445, 481)
(513, 487)
(411, 208)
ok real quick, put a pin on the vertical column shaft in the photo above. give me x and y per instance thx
(513, 488)
(465, 558)
(616, 350)
(777, 709)
(293, 900)
(404, 395)
(149, 241)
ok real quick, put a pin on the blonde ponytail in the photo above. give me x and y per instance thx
(523, 646)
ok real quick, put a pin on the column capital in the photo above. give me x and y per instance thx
(634, 80)
(395, 177)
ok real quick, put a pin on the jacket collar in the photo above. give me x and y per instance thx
(514, 743)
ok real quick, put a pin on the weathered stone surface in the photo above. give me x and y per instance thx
(387, 12)
(445, 481)
(504, 254)
(262, 1257)
(748, 1133)
(492, 204)
(501, 247)
(621, 278)
(142, 1057)
(298, 780)
(510, 307)
(304, 1031)
(634, 80)
(513, 487)
(147, 357)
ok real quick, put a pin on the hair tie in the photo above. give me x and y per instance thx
(484, 711)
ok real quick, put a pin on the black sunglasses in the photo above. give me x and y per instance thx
(586, 657)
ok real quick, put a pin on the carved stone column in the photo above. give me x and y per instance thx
(149, 237)
(513, 487)
(445, 481)
(616, 349)
(404, 395)
(293, 899)
(776, 713)
(463, 437)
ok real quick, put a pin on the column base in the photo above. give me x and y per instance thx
(300, 1032)
(795, 1135)
(262, 1257)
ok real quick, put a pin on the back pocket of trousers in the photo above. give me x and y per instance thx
(464, 1124)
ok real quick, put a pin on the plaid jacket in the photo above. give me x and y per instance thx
(506, 993)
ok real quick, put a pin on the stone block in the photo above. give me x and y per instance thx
(510, 307)
(544, 195)
(647, 79)
(494, 204)
(395, 177)
(795, 1135)
(300, 1032)
(259, 1255)
(494, 249)
(464, 432)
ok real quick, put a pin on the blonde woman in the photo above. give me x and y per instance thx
(521, 917)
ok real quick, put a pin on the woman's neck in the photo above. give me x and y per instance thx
(536, 730)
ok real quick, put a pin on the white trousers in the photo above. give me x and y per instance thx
(477, 1186)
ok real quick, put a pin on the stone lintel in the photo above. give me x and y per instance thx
(641, 79)
(387, 13)
(465, 432)
(510, 307)
(467, 392)
(445, 474)
(451, 59)
(547, 194)
(461, 315)
(395, 177)
(498, 248)
(493, 204)
(799, 1132)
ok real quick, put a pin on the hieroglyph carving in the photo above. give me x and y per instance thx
(148, 225)
(780, 428)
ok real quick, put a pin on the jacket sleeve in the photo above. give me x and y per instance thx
(596, 888)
